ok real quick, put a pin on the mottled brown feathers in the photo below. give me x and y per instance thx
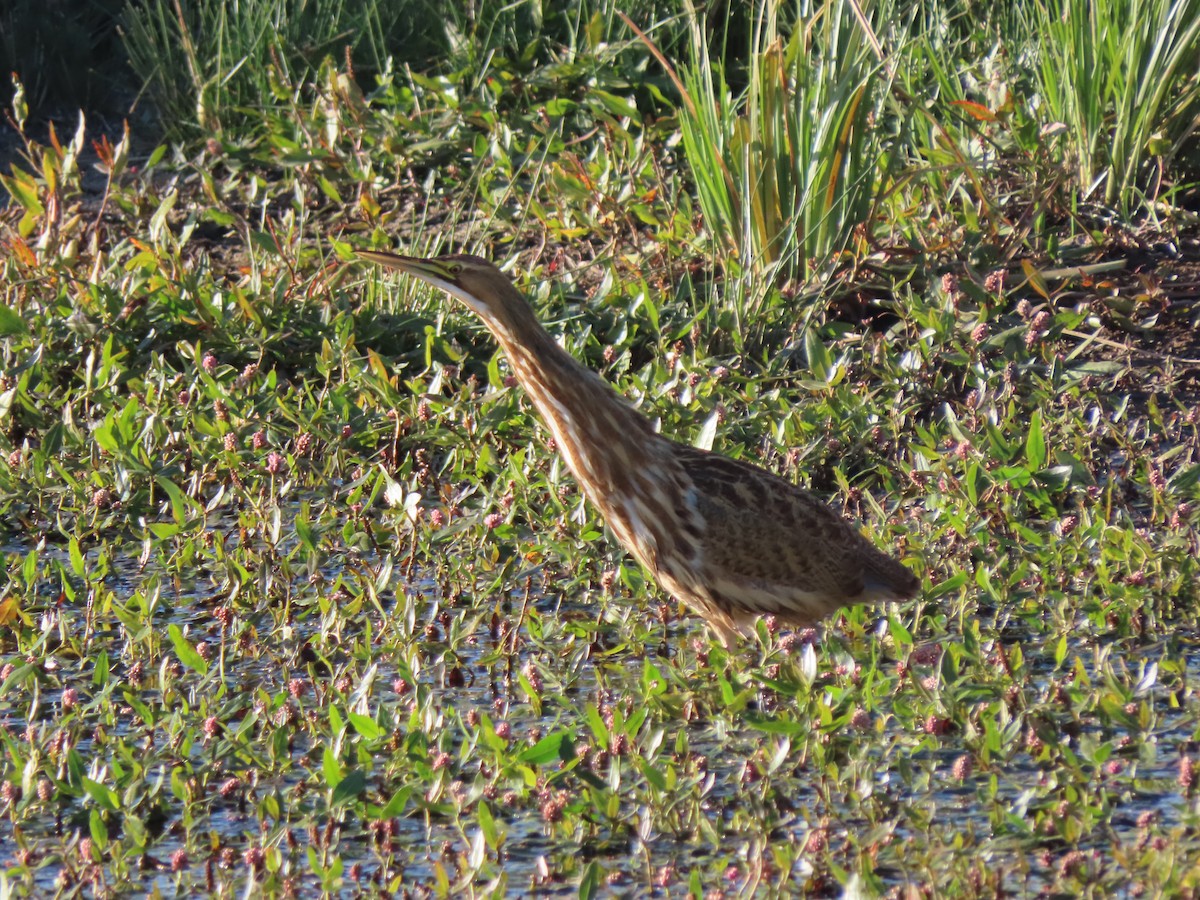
(772, 538)
(729, 539)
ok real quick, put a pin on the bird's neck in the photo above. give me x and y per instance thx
(597, 431)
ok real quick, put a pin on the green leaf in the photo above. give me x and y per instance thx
(776, 726)
(548, 749)
(949, 586)
(75, 769)
(104, 435)
(145, 712)
(104, 796)
(559, 106)
(949, 666)
(589, 884)
(24, 191)
(77, 563)
(1035, 442)
(314, 861)
(1060, 652)
(656, 778)
(1017, 476)
(396, 805)
(178, 502)
(535, 697)
(304, 530)
(97, 829)
(1187, 479)
(819, 360)
(270, 807)
(651, 309)
(620, 106)
(1100, 367)
(596, 723)
(11, 322)
(487, 825)
(1056, 477)
(100, 673)
(727, 694)
(158, 221)
(330, 190)
(17, 677)
(901, 635)
(263, 241)
(185, 651)
(353, 784)
(331, 769)
(975, 479)
(704, 440)
(29, 568)
(365, 726)
(135, 830)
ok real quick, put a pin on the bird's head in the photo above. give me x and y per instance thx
(473, 280)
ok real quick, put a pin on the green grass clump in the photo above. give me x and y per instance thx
(785, 173)
(1120, 80)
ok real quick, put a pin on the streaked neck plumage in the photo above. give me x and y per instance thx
(592, 424)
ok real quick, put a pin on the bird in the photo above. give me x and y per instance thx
(730, 540)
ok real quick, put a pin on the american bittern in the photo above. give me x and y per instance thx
(731, 540)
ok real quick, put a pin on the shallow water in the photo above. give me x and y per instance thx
(633, 858)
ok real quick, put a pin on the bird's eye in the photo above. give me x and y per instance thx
(455, 268)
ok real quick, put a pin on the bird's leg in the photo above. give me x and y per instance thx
(723, 632)
(512, 647)
(513, 636)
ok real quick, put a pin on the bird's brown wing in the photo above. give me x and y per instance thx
(769, 546)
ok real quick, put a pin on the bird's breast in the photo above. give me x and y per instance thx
(625, 468)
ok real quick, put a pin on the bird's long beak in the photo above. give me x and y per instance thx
(412, 264)
(432, 271)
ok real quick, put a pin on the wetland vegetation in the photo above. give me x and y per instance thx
(298, 599)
